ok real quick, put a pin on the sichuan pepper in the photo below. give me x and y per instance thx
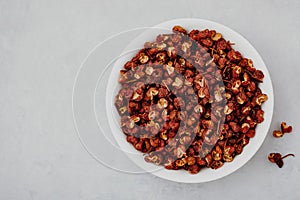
(284, 129)
(278, 159)
(189, 100)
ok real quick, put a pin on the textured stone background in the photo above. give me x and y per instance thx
(42, 44)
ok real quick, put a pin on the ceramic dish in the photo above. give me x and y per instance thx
(241, 45)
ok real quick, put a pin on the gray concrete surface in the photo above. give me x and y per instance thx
(42, 44)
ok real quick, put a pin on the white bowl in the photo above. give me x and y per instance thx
(205, 175)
